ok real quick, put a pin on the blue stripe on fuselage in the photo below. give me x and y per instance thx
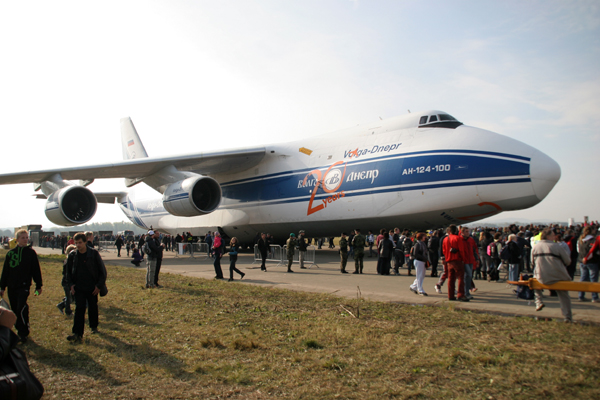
(402, 155)
(375, 174)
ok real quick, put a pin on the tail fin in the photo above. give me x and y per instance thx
(132, 147)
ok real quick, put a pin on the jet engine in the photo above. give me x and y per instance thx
(71, 205)
(196, 195)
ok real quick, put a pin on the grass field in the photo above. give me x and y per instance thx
(198, 339)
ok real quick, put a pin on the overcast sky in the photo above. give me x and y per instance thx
(206, 75)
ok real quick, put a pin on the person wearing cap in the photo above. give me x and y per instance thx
(302, 246)
(290, 245)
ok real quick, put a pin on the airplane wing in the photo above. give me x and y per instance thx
(101, 197)
(201, 163)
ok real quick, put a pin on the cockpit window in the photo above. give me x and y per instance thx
(439, 121)
(446, 117)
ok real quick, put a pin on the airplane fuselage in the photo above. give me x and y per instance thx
(391, 174)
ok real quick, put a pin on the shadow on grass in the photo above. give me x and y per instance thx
(71, 362)
(113, 316)
(145, 354)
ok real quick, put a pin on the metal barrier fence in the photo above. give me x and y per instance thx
(108, 245)
(193, 250)
(309, 259)
(278, 254)
(275, 254)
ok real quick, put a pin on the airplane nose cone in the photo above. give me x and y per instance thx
(544, 172)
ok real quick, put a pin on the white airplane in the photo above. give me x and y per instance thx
(419, 171)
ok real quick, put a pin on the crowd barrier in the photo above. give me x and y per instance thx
(275, 254)
(193, 250)
(278, 254)
(309, 259)
(109, 246)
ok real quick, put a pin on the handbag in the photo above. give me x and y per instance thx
(103, 290)
(17, 382)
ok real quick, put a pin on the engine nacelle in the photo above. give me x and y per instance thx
(71, 205)
(197, 195)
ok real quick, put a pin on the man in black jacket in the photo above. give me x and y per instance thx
(86, 275)
(154, 258)
(21, 265)
(263, 249)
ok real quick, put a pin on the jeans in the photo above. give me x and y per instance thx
(589, 273)
(513, 272)
(157, 270)
(150, 272)
(84, 298)
(468, 278)
(398, 260)
(409, 263)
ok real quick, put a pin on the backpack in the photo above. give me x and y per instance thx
(505, 253)
(492, 250)
(524, 292)
(146, 249)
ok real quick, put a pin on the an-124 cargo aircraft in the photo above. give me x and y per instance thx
(418, 171)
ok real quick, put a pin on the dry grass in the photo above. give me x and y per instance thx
(198, 339)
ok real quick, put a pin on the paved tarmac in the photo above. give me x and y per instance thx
(491, 297)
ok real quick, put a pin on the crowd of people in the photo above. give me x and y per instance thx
(465, 255)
